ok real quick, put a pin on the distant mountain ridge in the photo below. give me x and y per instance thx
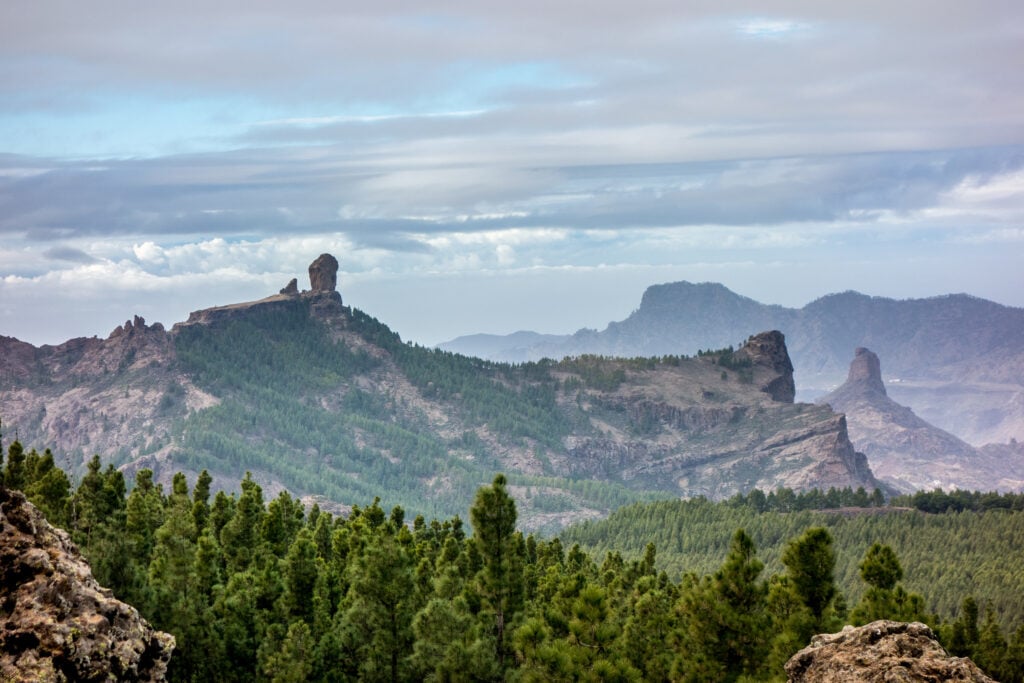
(324, 400)
(957, 359)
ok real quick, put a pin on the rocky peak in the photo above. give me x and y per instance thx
(768, 349)
(906, 451)
(135, 326)
(56, 622)
(323, 274)
(866, 371)
(879, 652)
(292, 288)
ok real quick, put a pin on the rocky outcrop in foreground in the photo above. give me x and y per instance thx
(56, 622)
(882, 652)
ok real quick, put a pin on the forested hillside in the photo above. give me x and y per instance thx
(948, 553)
(323, 400)
(347, 417)
(270, 591)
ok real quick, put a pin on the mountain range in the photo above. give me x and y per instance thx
(957, 360)
(321, 399)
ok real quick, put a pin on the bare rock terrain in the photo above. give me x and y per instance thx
(56, 622)
(880, 652)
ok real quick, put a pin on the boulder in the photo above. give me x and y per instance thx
(56, 622)
(880, 652)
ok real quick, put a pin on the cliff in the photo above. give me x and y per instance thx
(56, 622)
(714, 432)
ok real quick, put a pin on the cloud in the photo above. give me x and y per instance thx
(68, 254)
(771, 28)
(503, 141)
(250, 195)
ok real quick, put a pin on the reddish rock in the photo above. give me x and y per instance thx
(323, 274)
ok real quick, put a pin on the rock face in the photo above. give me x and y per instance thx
(880, 652)
(769, 349)
(711, 434)
(323, 274)
(907, 452)
(56, 622)
(91, 395)
(866, 371)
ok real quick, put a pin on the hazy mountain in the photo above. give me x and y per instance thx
(908, 452)
(323, 399)
(957, 360)
(512, 348)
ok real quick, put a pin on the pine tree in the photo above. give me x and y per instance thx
(201, 501)
(648, 631)
(289, 659)
(300, 570)
(493, 516)
(810, 564)
(239, 537)
(964, 633)
(49, 489)
(440, 650)
(175, 603)
(145, 514)
(376, 628)
(881, 570)
(14, 472)
(724, 619)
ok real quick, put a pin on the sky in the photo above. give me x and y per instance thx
(490, 167)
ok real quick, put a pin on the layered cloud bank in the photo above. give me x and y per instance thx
(513, 165)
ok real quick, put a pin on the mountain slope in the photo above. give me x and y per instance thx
(959, 359)
(326, 401)
(905, 450)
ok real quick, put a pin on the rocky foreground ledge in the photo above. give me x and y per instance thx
(880, 652)
(56, 622)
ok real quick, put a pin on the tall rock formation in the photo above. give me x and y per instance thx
(323, 274)
(768, 349)
(56, 622)
(866, 371)
(904, 450)
(880, 652)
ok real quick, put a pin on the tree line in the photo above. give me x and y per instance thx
(258, 590)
